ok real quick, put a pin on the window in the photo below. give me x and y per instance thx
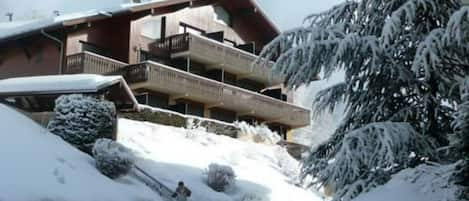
(142, 98)
(91, 47)
(222, 16)
(153, 28)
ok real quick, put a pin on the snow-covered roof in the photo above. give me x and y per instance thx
(57, 83)
(65, 84)
(10, 29)
(17, 29)
(15, 24)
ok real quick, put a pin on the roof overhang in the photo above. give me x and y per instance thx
(160, 7)
(253, 15)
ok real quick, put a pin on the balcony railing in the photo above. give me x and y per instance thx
(175, 82)
(175, 43)
(87, 62)
(215, 53)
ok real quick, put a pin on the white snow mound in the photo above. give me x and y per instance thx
(37, 165)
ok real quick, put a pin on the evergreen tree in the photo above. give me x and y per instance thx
(460, 138)
(402, 60)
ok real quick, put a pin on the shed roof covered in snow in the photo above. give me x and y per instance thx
(114, 88)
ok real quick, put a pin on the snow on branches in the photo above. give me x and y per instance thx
(367, 156)
(112, 159)
(401, 59)
(460, 124)
(81, 119)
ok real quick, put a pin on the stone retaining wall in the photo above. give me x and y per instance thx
(171, 118)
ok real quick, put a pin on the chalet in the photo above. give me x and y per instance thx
(190, 56)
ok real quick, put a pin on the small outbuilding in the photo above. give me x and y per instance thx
(36, 95)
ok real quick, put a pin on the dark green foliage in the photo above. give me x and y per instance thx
(402, 60)
(112, 159)
(80, 120)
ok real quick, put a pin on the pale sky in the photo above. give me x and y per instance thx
(285, 14)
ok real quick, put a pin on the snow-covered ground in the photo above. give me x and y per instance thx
(423, 183)
(171, 154)
(39, 166)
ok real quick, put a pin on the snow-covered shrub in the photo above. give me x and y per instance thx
(220, 177)
(257, 134)
(368, 156)
(193, 128)
(252, 197)
(288, 165)
(80, 120)
(112, 159)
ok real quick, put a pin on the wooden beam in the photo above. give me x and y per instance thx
(215, 105)
(243, 76)
(249, 113)
(176, 97)
(272, 120)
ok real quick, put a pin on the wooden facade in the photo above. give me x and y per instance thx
(194, 55)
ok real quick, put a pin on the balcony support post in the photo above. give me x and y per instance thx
(188, 64)
(223, 74)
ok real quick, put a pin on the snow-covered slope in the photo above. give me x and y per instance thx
(39, 166)
(422, 183)
(171, 154)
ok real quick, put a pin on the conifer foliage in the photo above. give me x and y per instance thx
(81, 120)
(403, 61)
(112, 159)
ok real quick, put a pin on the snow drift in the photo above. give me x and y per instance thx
(37, 165)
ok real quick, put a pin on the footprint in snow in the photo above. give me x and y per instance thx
(59, 176)
(65, 162)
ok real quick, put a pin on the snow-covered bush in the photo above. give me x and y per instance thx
(287, 164)
(80, 120)
(193, 128)
(220, 177)
(112, 159)
(257, 134)
(252, 197)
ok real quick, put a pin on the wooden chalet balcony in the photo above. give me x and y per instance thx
(217, 55)
(177, 83)
(88, 62)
